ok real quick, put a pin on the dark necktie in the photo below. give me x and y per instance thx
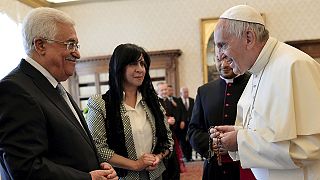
(64, 94)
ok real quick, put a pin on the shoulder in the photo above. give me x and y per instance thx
(96, 102)
(18, 87)
(175, 98)
(209, 85)
(287, 54)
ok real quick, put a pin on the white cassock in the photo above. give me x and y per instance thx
(278, 116)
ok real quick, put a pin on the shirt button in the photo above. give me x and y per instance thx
(228, 94)
(227, 105)
(226, 115)
(229, 85)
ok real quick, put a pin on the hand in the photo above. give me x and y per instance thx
(171, 120)
(155, 163)
(227, 135)
(217, 131)
(229, 140)
(102, 175)
(107, 166)
(144, 161)
(182, 125)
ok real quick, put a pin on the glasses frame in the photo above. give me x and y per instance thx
(71, 46)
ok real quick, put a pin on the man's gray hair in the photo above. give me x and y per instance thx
(42, 23)
(237, 28)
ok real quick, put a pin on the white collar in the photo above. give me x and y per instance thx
(43, 71)
(264, 56)
(139, 98)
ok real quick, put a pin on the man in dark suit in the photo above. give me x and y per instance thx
(216, 104)
(172, 171)
(43, 134)
(186, 105)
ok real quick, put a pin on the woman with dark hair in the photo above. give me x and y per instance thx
(127, 123)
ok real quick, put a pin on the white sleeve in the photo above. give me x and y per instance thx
(235, 155)
(254, 151)
(305, 149)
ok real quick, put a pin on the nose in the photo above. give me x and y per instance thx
(140, 67)
(76, 54)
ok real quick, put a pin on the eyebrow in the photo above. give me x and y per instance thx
(72, 40)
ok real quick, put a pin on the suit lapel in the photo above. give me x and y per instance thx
(191, 102)
(152, 123)
(52, 94)
(182, 103)
(83, 122)
(128, 133)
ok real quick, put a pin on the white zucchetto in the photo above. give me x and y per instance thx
(243, 13)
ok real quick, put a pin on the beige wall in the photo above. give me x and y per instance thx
(14, 9)
(175, 24)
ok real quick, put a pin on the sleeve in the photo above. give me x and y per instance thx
(23, 138)
(255, 151)
(305, 149)
(96, 124)
(197, 131)
(169, 133)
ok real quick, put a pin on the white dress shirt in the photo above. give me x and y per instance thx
(141, 128)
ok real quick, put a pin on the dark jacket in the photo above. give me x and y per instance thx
(40, 138)
(215, 104)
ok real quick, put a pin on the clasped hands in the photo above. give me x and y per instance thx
(227, 136)
(107, 172)
(148, 162)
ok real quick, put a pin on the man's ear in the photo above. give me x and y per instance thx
(39, 46)
(250, 39)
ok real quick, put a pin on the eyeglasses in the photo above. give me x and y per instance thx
(71, 45)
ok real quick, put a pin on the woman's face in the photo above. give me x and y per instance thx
(134, 73)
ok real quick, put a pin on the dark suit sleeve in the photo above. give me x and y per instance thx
(24, 140)
(197, 130)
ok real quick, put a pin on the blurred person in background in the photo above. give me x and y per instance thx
(185, 103)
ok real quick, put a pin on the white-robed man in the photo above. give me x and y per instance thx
(277, 131)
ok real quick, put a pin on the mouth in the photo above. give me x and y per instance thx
(226, 69)
(72, 59)
(139, 77)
